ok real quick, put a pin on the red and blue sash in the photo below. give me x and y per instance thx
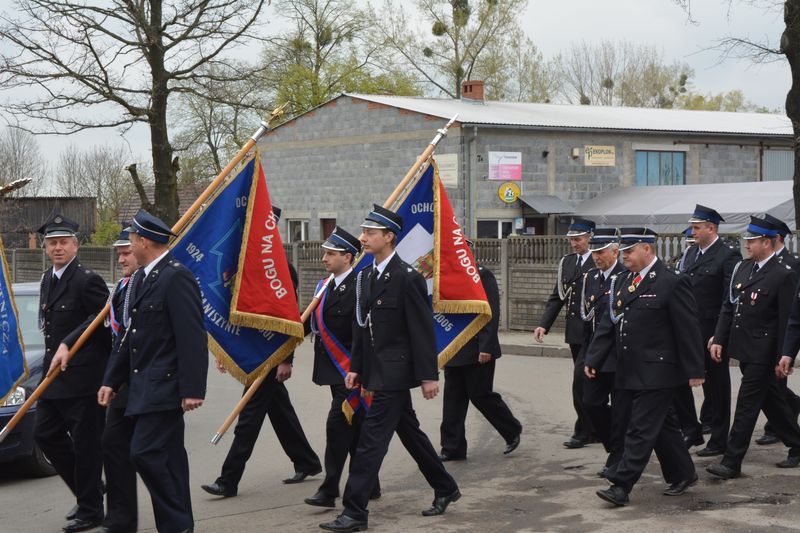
(112, 315)
(339, 356)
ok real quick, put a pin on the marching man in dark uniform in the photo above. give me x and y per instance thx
(709, 264)
(787, 258)
(394, 351)
(270, 400)
(751, 329)
(571, 269)
(652, 323)
(469, 377)
(69, 422)
(121, 500)
(332, 323)
(599, 387)
(163, 359)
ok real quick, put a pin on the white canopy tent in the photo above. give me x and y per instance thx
(667, 209)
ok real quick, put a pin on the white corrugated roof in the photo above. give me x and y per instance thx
(559, 116)
(667, 208)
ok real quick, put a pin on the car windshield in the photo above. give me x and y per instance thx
(28, 309)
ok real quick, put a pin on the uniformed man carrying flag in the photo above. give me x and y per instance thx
(394, 351)
(163, 359)
(69, 422)
(332, 324)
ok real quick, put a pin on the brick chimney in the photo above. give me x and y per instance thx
(472, 90)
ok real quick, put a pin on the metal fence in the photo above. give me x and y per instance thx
(525, 268)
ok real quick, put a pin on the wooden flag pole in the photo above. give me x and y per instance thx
(179, 225)
(410, 175)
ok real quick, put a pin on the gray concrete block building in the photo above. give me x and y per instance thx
(509, 168)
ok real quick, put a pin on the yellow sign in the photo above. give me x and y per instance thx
(508, 192)
(599, 156)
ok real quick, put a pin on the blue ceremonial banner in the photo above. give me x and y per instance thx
(211, 246)
(432, 242)
(13, 368)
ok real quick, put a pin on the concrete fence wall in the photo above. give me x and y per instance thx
(525, 269)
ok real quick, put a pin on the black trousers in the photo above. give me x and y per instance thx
(341, 439)
(68, 431)
(760, 391)
(158, 454)
(791, 397)
(271, 399)
(473, 383)
(651, 425)
(583, 426)
(606, 418)
(121, 500)
(716, 410)
(391, 412)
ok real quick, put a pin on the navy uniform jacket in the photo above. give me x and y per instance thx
(710, 276)
(340, 305)
(791, 342)
(571, 277)
(486, 340)
(657, 341)
(118, 302)
(595, 298)
(399, 351)
(787, 258)
(164, 355)
(753, 329)
(80, 293)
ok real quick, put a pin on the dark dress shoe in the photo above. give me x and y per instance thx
(615, 495)
(320, 499)
(220, 489)
(696, 440)
(706, 429)
(79, 524)
(439, 505)
(107, 529)
(723, 472)
(603, 473)
(767, 439)
(789, 462)
(345, 523)
(72, 513)
(299, 477)
(574, 444)
(511, 445)
(710, 452)
(676, 489)
(444, 457)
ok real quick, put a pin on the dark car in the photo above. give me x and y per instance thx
(19, 447)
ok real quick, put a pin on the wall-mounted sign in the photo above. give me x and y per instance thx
(448, 169)
(599, 156)
(505, 166)
(508, 192)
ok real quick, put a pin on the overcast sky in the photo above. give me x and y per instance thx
(554, 25)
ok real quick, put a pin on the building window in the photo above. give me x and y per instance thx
(297, 230)
(660, 168)
(495, 229)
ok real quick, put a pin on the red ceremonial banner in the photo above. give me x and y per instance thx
(263, 295)
(457, 286)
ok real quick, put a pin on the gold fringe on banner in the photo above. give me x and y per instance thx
(219, 352)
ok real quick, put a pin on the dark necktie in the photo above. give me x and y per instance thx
(580, 260)
(53, 282)
(755, 270)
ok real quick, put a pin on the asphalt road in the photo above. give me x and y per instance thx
(540, 487)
